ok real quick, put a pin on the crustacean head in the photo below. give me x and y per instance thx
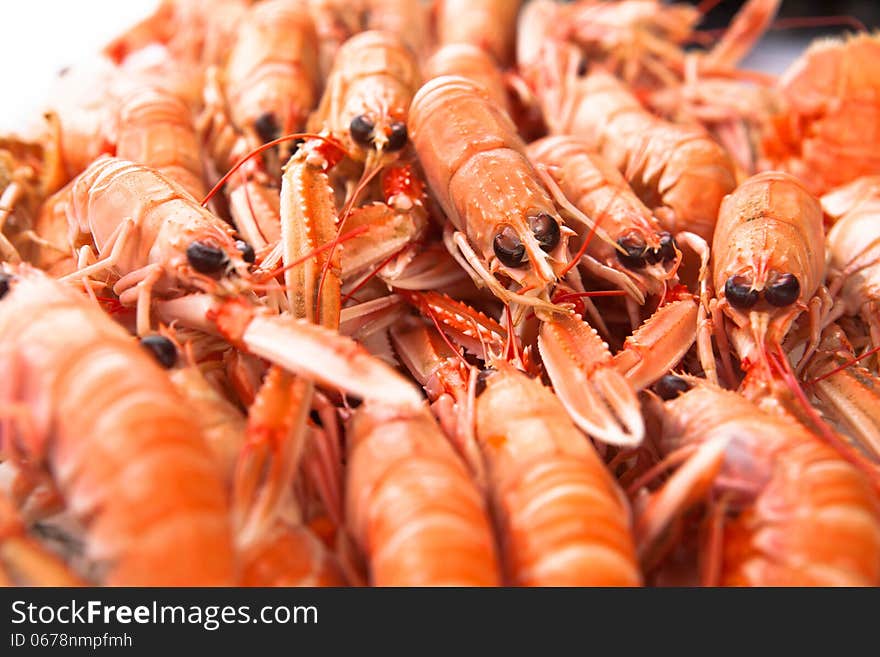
(204, 253)
(769, 259)
(374, 78)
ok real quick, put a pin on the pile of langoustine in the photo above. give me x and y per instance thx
(638, 286)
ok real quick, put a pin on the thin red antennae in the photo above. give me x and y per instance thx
(591, 233)
(672, 459)
(573, 262)
(260, 149)
(370, 276)
(849, 363)
(347, 210)
(433, 317)
(354, 232)
(511, 349)
(826, 433)
(247, 198)
(562, 298)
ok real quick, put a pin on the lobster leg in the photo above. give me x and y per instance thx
(710, 322)
(116, 243)
(690, 484)
(749, 24)
(710, 571)
(144, 299)
(276, 432)
(820, 307)
(448, 383)
(274, 547)
(322, 461)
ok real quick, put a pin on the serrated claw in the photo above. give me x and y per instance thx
(597, 397)
(315, 352)
(659, 344)
(848, 392)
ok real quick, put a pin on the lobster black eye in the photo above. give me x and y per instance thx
(247, 251)
(671, 386)
(509, 248)
(739, 293)
(361, 129)
(205, 259)
(481, 380)
(784, 291)
(546, 231)
(162, 348)
(5, 279)
(266, 126)
(397, 137)
(634, 256)
(667, 247)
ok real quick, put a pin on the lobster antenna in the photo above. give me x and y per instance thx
(371, 168)
(562, 298)
(845, 365)
(826, 433)
(569, 207)
(590, 234)
(433, 317)
(260, 149)
(366, 279)
(837, 20)
(354, 232)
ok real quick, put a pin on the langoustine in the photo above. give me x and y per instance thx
(98, 438)
(785, 509)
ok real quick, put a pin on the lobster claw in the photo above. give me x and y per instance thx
(596, 395)
(846, 391)
(666, 337)
(314, 352)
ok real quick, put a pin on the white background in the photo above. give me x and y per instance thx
(40, 37)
